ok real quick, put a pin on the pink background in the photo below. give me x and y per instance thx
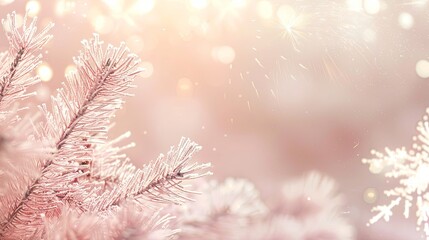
(322, 106)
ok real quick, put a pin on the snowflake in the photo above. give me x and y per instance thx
(410, 171)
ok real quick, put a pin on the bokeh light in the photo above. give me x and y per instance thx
(265, 9)
(370, 195)
(422, 68)
(184, 87)
(33, 8)
(64, 7)
(103, 24)
(44, 71)
(286, 15)
(223, 54)
(372, 6)
(199, 4)
(6, 2)
(70, 69)
(142, 7)
(406, 20)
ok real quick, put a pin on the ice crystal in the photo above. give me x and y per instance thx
(409, 171)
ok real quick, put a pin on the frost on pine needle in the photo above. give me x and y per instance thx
(408, 170)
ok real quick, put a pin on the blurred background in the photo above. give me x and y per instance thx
(271, 89)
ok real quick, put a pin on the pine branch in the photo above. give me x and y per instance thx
(223, 211)
(17, 164)
(18, 148)
(80, 116)
(16, 143)
(21, 59)
(159, 181)
(81, 169)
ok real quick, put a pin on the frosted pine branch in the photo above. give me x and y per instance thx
(80, 116)
(16, 142)
(159, 181)
(83, 108)
(223, 211)
(21, 58)
(18, 148)
(78, 152)
(82, 164)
